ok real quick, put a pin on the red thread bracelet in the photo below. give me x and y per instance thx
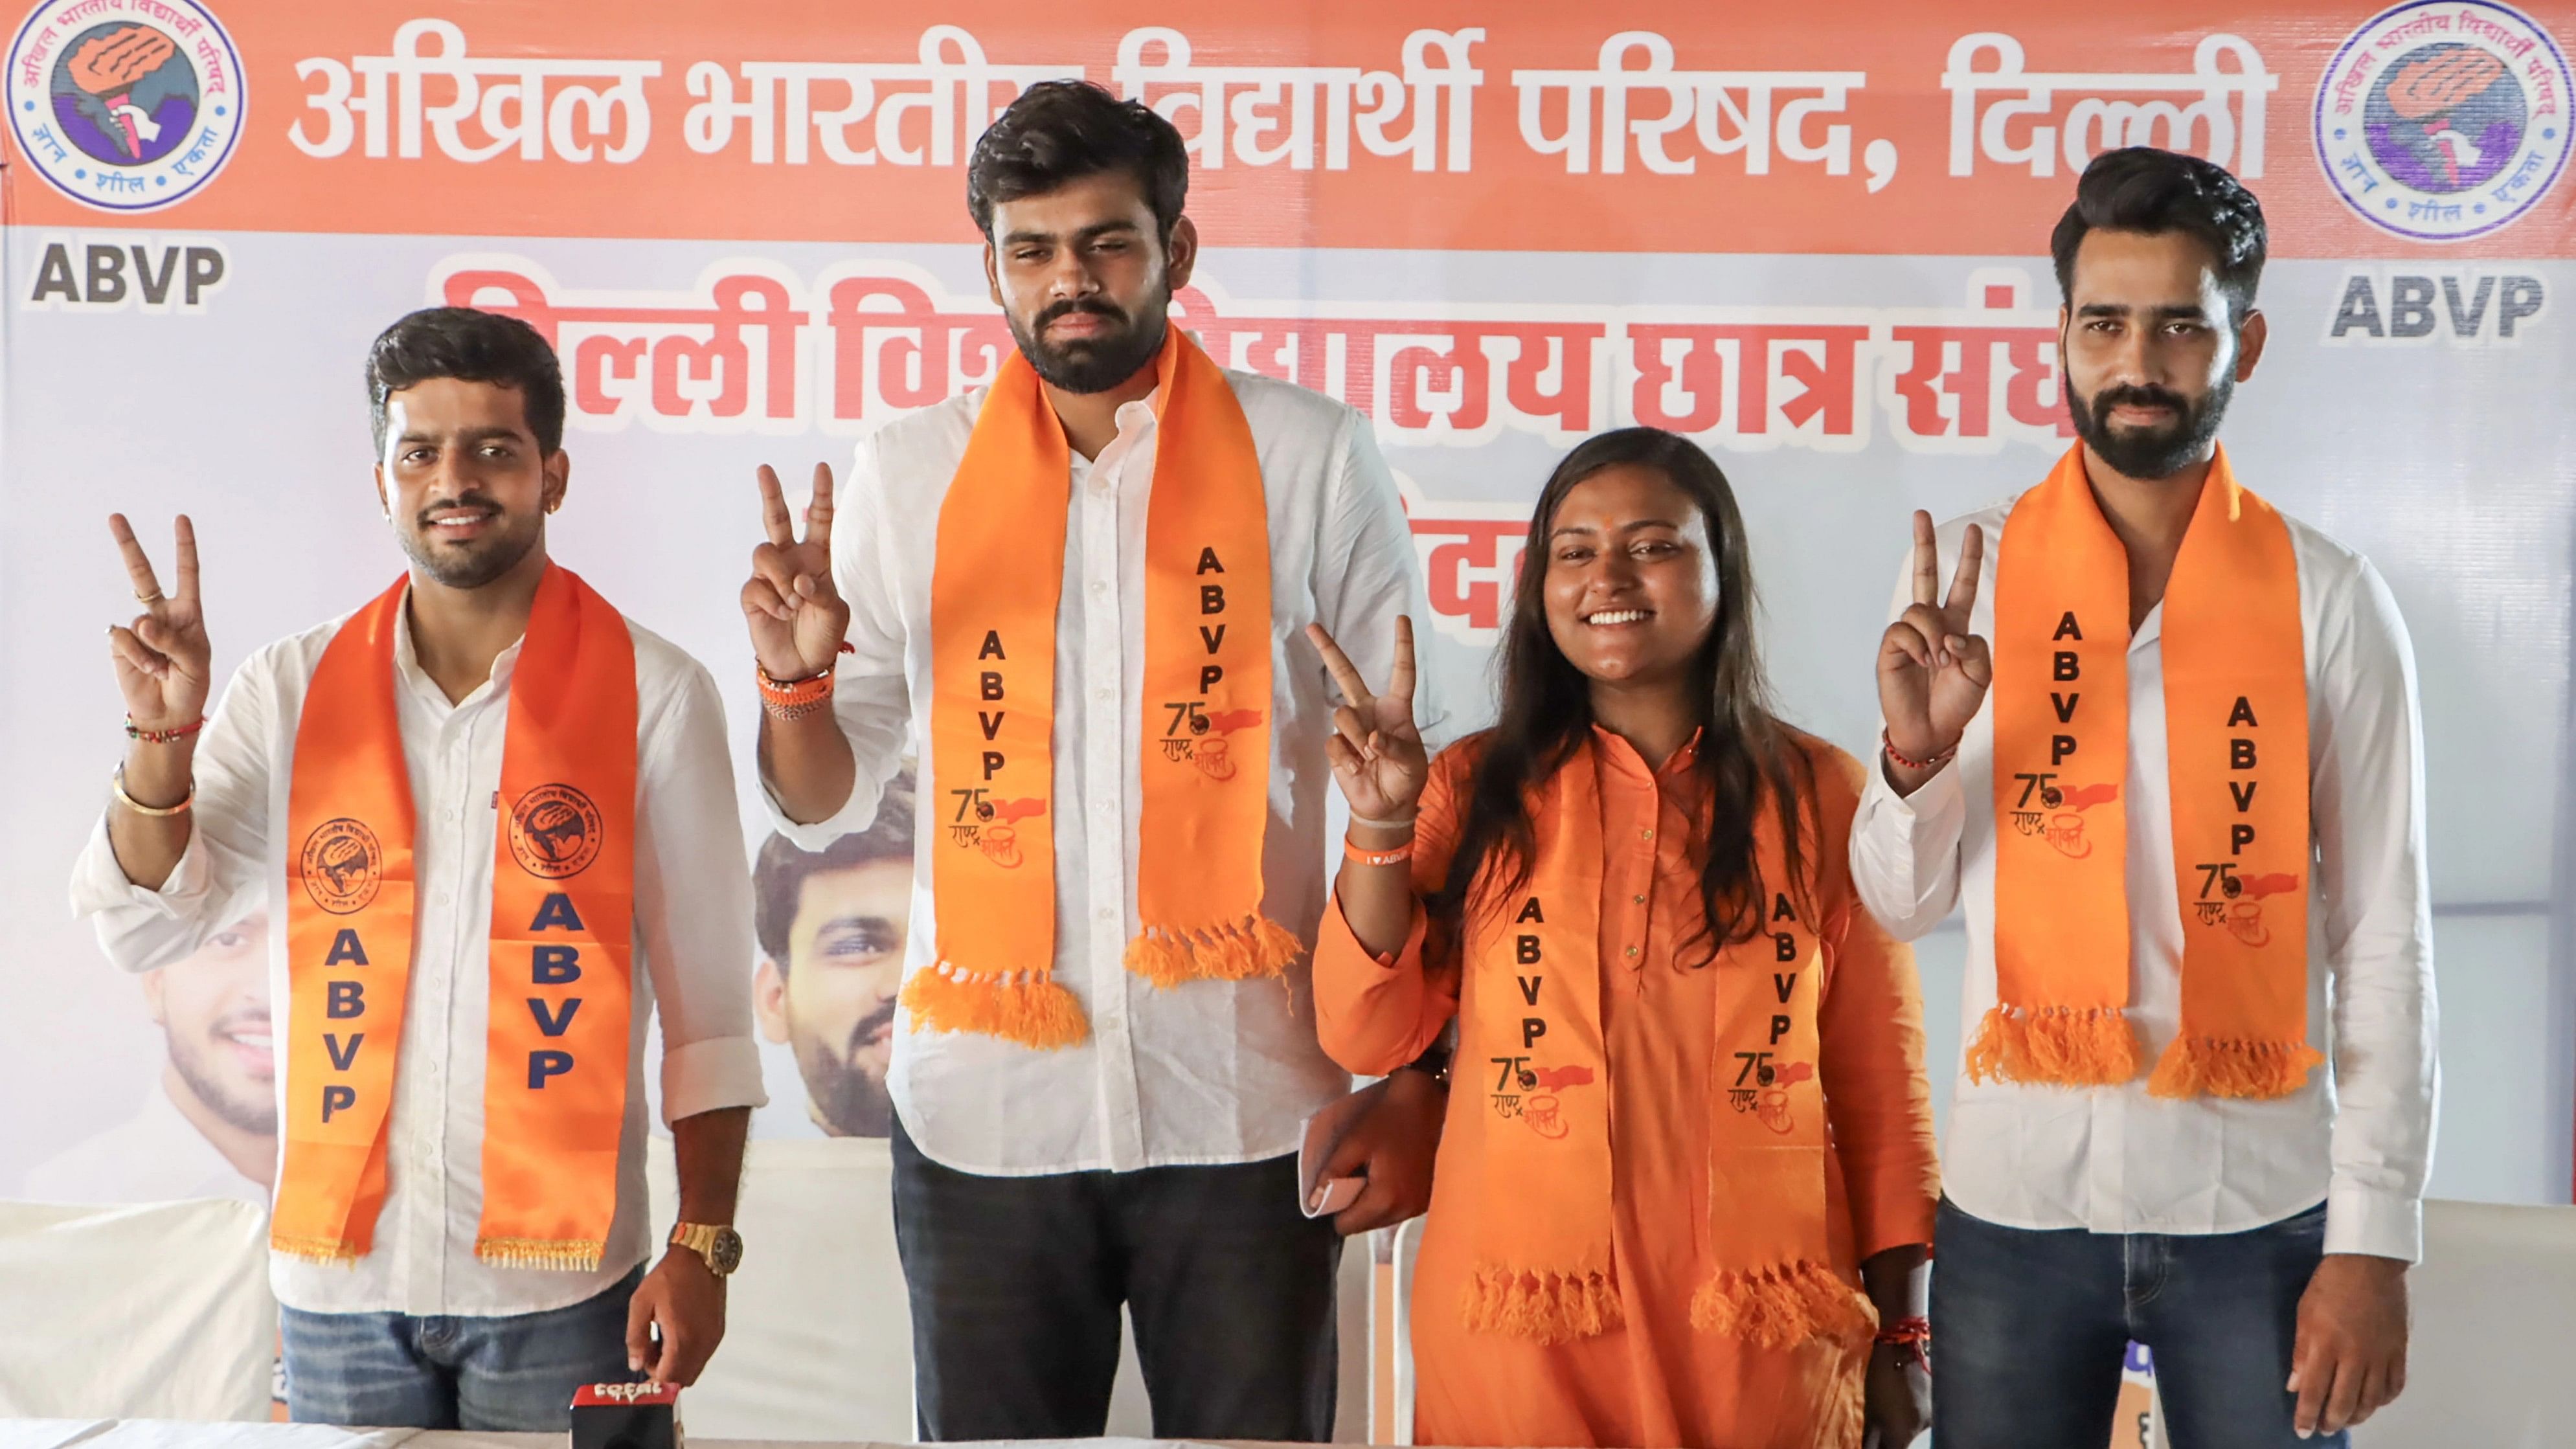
(135, 731)
(1914, 1336)
(1902, 762)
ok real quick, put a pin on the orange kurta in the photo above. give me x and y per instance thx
(1658, 1381)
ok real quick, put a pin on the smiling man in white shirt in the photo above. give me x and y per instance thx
(477, 806)
(1084, 588)
(2181, 797)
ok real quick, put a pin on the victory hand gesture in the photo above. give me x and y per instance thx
(163, 662)
(797, 616)
(1375, 749)
(1933, 673)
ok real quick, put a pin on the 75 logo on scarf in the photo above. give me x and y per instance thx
(992, 826)
(2056, 812)
(1198, 734)
(2235, 901)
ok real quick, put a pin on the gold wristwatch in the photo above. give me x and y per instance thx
(717, 1243)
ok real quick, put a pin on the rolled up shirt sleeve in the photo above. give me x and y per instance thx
(210, 888)
(693, 905)
(2367, 805)
(871, 700)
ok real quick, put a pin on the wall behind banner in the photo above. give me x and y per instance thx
(1814, 241)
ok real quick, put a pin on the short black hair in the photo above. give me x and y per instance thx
(2143, 189)
(1061, 131)
(778, 878)
(473, 346)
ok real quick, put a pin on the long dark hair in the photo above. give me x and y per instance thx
(1747, 758)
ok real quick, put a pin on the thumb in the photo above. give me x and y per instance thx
(639, 1328)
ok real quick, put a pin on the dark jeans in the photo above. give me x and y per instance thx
(514, 1373)
(1016, 1281)
(2028, 1331)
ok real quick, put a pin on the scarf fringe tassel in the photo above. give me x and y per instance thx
(2076, 1047)
(1025, 1007)
(2211, 1066)
(329, 1252)
(1781, 1306)
(1257, 947)
(553, 1256)
(1541, 1307)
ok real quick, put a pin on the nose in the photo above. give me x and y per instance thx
(1070, 275)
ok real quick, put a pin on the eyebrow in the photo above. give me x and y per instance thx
(1088, 233)
(1630, 527)
(2166, 313)
(469, 435)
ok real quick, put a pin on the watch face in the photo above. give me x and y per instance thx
(725, 1253)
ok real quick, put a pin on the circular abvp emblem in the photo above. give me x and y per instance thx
(555, 832)
(342, 865)
(125, 105)
(2441, 120)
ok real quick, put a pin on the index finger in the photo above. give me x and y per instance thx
(1927, 560)
(187, 532)
(818, 508)
(1972, 559)
(1345, 674)
(138, 565)
(773, 509)
(1399, 680)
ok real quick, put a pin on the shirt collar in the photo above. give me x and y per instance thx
(409, 674)
(1623, 757)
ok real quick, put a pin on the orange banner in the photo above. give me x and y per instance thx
(1868, 126)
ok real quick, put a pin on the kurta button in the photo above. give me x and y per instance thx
(1646, 834)
(1632, 951)
(1640, 900)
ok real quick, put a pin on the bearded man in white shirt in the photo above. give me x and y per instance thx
(1083, 587)
(2180, 794)
(495, 825)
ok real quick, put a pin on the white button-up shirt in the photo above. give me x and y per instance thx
(692, 955)
(1205, 1072)
(2359, 1136)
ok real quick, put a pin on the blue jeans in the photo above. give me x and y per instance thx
(2029, 1328)
(507, 1374)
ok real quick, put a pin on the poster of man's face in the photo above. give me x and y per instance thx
(831, 929)
(212, 1006)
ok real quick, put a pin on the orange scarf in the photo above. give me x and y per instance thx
(2236, 735)
(1530, 1017)
(563, 906)
(1206, 693)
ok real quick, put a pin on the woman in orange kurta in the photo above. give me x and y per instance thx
(1631, 693)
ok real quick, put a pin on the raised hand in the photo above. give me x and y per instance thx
(1932, 672)
(163, 662)
(797, 616)
(1375, 749)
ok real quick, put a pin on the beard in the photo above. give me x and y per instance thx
(1093, 364)
(2157, 452)
(850, 1098)
(244, 1107)
(472, 563)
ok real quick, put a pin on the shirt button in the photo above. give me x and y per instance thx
(1640, 900)
(1109, 913)
(1099, 586)
(1646, 834)
(1103, 694)
(1632, 951)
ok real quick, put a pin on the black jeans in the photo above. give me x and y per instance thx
(2029, 1328)
(1016, 1282)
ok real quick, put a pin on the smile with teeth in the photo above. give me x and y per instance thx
(460, 519)
(1618, 616)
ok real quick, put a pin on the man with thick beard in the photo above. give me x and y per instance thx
(831, 930)
(494, 824)
(1083, 587)
(2181, 796)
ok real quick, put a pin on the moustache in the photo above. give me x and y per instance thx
(465, 500)
(2140, 397)
(869, 1025)
(1071, 305)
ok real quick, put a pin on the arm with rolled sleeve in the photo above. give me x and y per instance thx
(2366, 804)
(870, 697)
(1905, 848)
(227, 851)
(693, 905)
